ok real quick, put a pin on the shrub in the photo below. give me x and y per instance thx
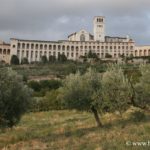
(138, 116)
(142, 88)
(24, 61)
(52, 58)
(62, 58)
(44, 59)
(14, 60)
(34, 85)
(14, 97)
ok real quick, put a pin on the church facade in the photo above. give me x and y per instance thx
(78, 44)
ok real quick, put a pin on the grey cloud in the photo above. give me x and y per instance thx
(55, 19)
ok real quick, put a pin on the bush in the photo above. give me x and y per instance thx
(24, 61)
(50, 101)
(62, 58)
(142, 88)
(138, 116)
(14, 60)
(34, 85)
(44, 59)
(15, 97)
(41, 87)
(52, 58)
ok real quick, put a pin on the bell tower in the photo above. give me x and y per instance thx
(99, 28)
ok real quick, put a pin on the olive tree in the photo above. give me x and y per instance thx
(14, 97)
(78, 92)
(116, 90)
(142, 88)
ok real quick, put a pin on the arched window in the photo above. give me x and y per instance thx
(136, 53)
(8, 52)
(4, 51)
(145, 52)
(45, 46)
(41, 46)
(36, 47)
(27, 46)
(82, 37)
(23, 45)
(32, 46)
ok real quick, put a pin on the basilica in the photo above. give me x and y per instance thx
(78, 44)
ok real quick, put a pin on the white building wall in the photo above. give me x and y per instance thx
(142, 51)
(72, 49)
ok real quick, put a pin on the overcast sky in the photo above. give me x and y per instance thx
(56, 19)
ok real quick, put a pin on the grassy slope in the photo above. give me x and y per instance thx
(72, 130)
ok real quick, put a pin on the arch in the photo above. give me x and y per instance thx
(136, 53)
(81, 47)
(36, 46)
(68, 47)
(140, 53)
(28, 46)
(41, 46)
(145, 52)
(149, 52)
(45, 47)
(54, 47)
(63, 47)
(18, 45)
(50, 47)
(77, 48)
(32, 46)
(82, 37)
(40, 53)
(59, 47)
(72, 48)
(23, 45)
(8, 52)
(4, 51)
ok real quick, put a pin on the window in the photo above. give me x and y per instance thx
(32, 46)
(23, 46)
(27, 46)
(82, 37)
(41, 46)
(8, 51)
(45, 47)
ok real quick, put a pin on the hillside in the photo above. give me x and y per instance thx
(73, 130)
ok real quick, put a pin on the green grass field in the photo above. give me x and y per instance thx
(73, 130)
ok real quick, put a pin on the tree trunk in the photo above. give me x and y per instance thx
(99, 124)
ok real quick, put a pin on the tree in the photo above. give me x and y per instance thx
(142, 88)
(24, 61)
(108, 55)
(52, 58)
(92, 55)
(44, 59)
(35, 85)
(14, 60)
(116, 90)
(14, 97)
(78, 92)
(62, 58)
